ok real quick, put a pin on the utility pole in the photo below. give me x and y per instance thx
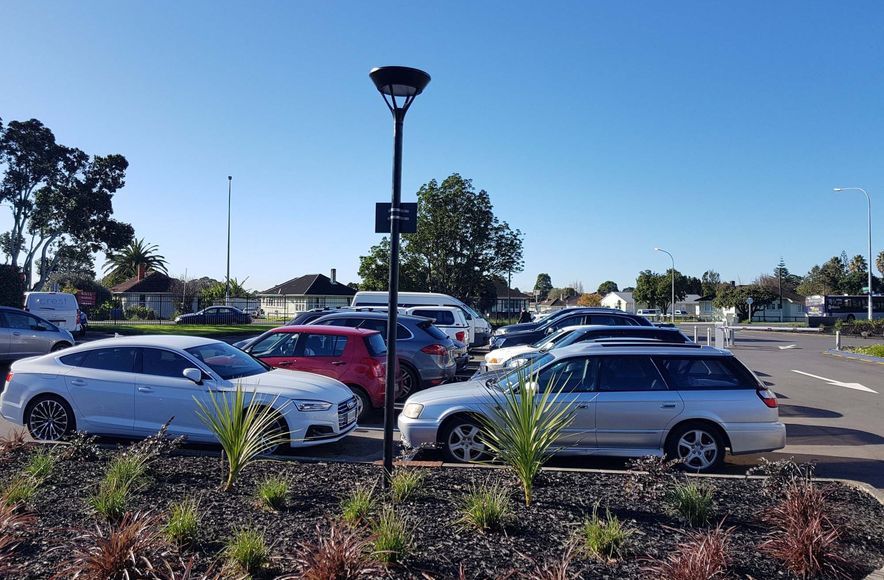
(227, 280)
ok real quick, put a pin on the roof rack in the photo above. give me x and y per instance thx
(636, 343)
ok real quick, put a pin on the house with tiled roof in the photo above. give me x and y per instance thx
(149, 289)
(510, 301)
(305, 293)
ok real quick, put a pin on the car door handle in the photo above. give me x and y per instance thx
(583, 406)
(338, 362)
(284, 363)
(667, 406)
(78, 382)
(16, 334)
(145, 390)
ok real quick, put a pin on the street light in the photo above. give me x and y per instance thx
(672, 308)
(405, 83)
(869, 200)
(227, 280)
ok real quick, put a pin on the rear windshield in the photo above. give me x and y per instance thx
(706, 373)
(375, 345)
(428, 327)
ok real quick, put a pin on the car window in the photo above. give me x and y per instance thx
(275, 344)
(430, 329)
(351, 322)
(568, 376)
(629, 373)
(321, 345)
(376, 345)
(605, 319)
(380, 325)
(696, 373)
(120, 359)
(568, 321)
(229, 362)
(445, 317)
(23, 321)
(163, 363)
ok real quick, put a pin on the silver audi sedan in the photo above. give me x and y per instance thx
(685, 401)
(23, 335)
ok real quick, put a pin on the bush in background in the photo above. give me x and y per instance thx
(11, 286)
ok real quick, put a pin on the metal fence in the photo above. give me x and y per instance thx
(166, 309)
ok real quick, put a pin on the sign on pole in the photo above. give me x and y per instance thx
(86, 298)
(407, 218)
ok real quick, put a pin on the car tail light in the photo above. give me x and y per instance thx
(460, 336)
(378, 368)
(435, 350)
(768, 397)
(9, 376)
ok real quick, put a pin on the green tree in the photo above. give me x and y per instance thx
(829, 278)
(664, 289)
(693, 285)
(879, 262)
(124, 264)
(562, 293)
(647, 289)
(593, 299)
(607, 287)
(543, 285)
(374, 269)
(215, 293)
(737, 297)
(709, 282)
(59, 196)
(857, 264)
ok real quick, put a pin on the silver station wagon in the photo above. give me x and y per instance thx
(630, 399)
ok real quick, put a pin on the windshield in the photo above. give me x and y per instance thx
(470, 311)
(228, 362)
(511, 380)
(553, 339)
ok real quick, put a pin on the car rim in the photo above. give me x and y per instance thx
(408, 381)
(48, 421)
(272, 433)
(464, 443)
(359, 406)
(697, 449)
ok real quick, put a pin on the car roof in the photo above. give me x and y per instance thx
(325, 329)
(373, 315)
(624, 346)
(176, 341)
(640, 329)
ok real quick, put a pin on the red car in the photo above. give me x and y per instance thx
(355, 356)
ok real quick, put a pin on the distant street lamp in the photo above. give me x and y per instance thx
(869, 200)
(405, 83)
(227, 279)
(672, 308)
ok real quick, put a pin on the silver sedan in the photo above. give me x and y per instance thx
(23, 334)
(631, 400)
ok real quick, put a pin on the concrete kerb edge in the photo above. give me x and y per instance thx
(854, 356)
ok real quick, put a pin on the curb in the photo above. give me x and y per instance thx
(854, 356)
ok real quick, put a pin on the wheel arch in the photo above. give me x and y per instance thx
(455, 415)
(37, 397)
(697, 421)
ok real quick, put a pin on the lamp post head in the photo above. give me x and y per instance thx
(657, 249)
(229, 178)
(838, 189)
(399, 81)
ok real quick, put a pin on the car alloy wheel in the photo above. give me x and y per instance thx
(409, 383)
(273, 432)
(698, 449)
(463, 442)
(49, 420)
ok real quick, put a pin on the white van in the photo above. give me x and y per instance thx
(648, 312)
(480, 329)
(448, 319)
(59, 308)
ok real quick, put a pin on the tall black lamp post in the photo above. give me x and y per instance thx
(402, 83)
(227, 279)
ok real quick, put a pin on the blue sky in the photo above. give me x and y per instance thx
(601, 129)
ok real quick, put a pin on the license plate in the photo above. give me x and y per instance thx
(351, 416)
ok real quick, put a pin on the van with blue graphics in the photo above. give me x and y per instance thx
(480, 329)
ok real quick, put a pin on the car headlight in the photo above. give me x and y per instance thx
(413, 410)
(312, 405)
(493, 360)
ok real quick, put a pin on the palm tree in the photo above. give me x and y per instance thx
(879, 262)
(857, 264)
(124, 264)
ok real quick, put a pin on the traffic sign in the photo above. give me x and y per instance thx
(750, 300)
(407, 218)
(86, 298)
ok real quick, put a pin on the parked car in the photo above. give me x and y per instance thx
(515, 356)
(556, 315)
(448, 319)
(652, 312)
(480, 328)
(572, 317)
(310, 315)
(215, 315)
(23, 334)
(426, 354)
(59, 308)
(131, 386)
(356, 357)
(685, 401)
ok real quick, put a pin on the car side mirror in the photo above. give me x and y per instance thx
(550, 330)
(194, 375)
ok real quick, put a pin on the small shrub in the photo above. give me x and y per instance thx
(404, 483)
(782, 474)
(341, 554)
(41, 463)
(247, 551)
(80, 447)
(131, 548)
(701, 555)
(392, 536)
(12, 523)
(126, 470)
(182, 526)
(111, 501)
(358, 505)
(16, 440)
(804, 538)
(691, 501)
(271, 493)
(650, 475)
(486, 508)
(552, 569)
(20, 490)
(244, 430)
(157, 445)
(524, 425)
(604, 539)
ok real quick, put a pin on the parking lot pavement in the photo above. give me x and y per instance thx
(832, 408)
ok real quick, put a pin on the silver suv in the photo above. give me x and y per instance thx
(686, 401)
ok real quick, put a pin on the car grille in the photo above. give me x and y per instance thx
(343, 409)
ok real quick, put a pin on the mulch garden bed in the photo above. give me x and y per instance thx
(441, 546)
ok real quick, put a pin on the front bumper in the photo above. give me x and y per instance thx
(415, 433)
(755, 437)
(481, 338)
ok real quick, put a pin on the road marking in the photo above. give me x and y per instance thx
(787, 347)
(855, 386)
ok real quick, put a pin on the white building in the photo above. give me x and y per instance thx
(621, 301)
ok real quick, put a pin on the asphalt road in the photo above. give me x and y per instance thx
(832, 408)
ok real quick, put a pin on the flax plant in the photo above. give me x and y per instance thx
(523, 426)
(244, 429)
